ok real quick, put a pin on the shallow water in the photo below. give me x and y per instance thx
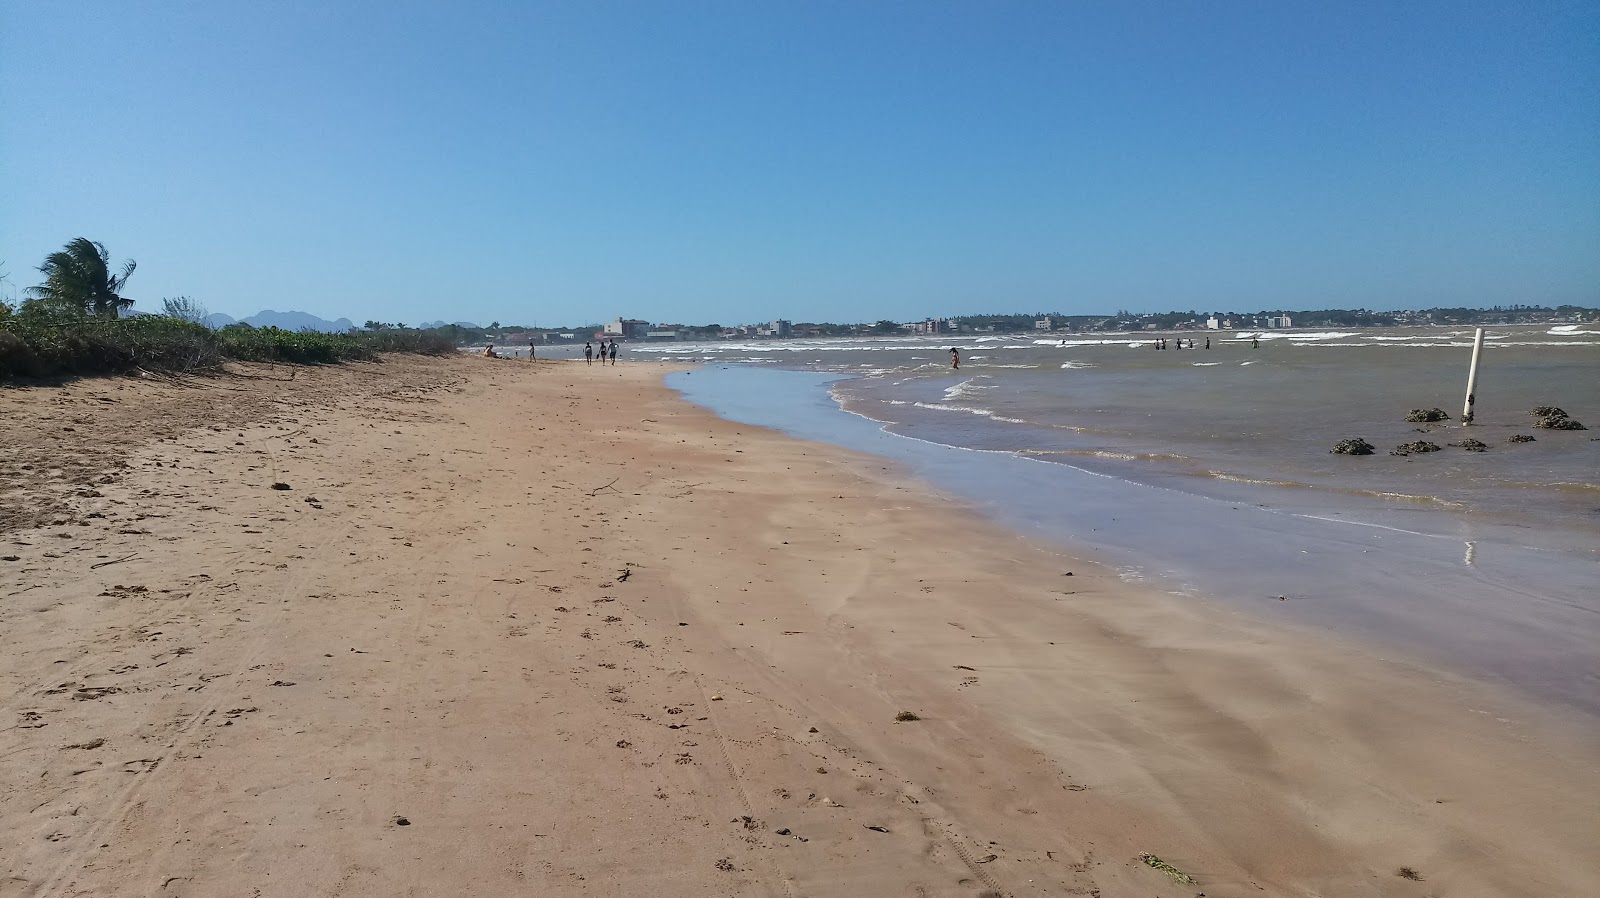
(1499, 595)
(1237, 422)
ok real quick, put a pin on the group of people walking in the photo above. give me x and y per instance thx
(1162, 343)
(602, 352)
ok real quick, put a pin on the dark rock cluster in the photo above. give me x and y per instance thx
(1470, 444)
(1520, 438)
(1416, 448)
(1551, 418)
(1426, 415)
(1352, 446)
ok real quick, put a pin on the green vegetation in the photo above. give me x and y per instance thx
(72, 325)
(35, 343)
(78, 279)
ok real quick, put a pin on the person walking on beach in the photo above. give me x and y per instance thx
(955, 358)
(530, 350)
(613, 353)
(588, 354)
(1208, 342)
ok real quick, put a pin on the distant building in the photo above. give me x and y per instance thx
(1278, 321)
(627, 328)
(930, 326)
(1213, 324)
(781, 328)
(1044, 324)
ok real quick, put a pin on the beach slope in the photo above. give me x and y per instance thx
(480, 627)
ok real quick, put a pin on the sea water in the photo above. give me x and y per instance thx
(1208, 471)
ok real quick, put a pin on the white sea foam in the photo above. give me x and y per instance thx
(966, 389)
(1205, 364)
(968, 409)
(1088, 343)
(1075, 365)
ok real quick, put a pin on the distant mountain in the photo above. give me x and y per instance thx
(428, 325)
(297, 321)
(217, 320)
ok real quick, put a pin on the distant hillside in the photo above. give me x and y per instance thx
(426, 325)
(298, 321)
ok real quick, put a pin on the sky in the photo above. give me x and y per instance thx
(731, 162)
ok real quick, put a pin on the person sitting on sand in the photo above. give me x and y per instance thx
(489, 353)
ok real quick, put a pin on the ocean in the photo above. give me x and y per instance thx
(1208, 472)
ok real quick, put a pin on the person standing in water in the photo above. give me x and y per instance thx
(955, 358)
(1255, 342)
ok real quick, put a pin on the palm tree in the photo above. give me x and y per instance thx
(79, 278)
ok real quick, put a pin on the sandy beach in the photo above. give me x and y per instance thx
(513, 628)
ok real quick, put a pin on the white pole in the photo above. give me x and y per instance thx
(1472, 378)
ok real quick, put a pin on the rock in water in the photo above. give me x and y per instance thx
(1416, 448)
(1426, 415)
(1520, 438)
(1551, 418)
(1471, 445)
(1352, 446)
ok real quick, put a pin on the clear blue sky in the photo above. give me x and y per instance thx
(737, 161)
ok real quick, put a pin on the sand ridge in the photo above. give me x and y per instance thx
(541, 628)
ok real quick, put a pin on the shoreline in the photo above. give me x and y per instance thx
(445, 635)
(1476, 600)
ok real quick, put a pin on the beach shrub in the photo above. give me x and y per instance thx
(45, 340)
(424, 342)
(1353, 446)
(49, 340)
(1416, 448)
(272, 344)
(1426, 415)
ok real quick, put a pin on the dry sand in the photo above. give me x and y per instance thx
(543, 629)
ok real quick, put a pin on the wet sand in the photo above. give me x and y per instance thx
(543, 628)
